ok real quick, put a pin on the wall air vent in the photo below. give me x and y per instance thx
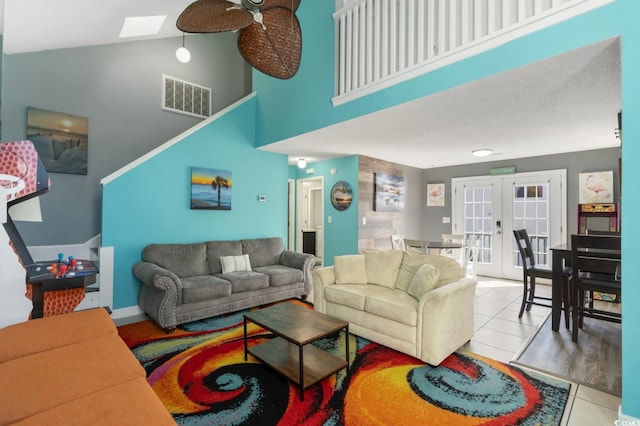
(185, 98)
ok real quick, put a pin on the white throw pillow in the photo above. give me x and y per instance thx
(425, 280)
(235, 263)
(350, 269)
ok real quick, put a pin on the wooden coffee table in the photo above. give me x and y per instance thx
(290, 353)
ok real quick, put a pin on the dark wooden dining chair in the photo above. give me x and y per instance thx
(596, 268)
(531, 271)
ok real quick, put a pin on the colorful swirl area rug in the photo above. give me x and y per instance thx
(200, 374)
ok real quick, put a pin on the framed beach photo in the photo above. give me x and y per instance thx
(61, 139)
(210, 189)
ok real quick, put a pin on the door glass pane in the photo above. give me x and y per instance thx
(531, 210)
(478, 220)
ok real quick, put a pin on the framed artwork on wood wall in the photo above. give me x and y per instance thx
(389, 193)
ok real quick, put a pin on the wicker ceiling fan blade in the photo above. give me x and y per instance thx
(289, 4)
(275, 50)
(213, 16)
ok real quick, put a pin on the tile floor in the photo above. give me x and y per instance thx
(500, 335)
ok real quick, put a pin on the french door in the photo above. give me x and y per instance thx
(487, 209)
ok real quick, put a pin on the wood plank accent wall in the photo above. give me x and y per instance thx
(380, 225)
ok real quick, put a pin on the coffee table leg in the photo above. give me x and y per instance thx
(245, 338)
(346, 344)
(301, 377)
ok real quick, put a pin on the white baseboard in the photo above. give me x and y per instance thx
(130, 311)
(625, 420)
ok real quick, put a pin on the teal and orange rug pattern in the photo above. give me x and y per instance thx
(200, 375)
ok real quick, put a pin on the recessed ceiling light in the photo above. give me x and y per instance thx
(482, 152)
(137, 26)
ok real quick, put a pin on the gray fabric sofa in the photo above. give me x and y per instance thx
(186, 282)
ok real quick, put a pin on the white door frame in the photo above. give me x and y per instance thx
(301, 205)
(504, 213)
(291, 219)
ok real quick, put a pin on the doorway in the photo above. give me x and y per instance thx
(487, 209)
(291, 216)
(310, 217)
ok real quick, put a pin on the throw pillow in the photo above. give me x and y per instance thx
(450, 269)
(235, 263)
(350, 269)
(411, 261)
(383, 266)
(425, 280)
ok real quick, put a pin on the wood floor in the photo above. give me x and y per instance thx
(596, 360)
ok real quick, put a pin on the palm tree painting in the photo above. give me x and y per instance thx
(210, 189)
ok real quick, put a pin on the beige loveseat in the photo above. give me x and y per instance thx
(418, 304)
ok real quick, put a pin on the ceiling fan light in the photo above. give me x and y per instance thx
(302, 163)
(482, 152)
(183, 54)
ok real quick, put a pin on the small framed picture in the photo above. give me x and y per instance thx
(435, 194)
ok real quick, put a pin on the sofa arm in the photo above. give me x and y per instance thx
(446, 320)
(322, 278)
(152, 274)
(160, 293)
(302, 261)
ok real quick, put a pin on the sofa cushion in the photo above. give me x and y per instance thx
(450, 269)
(352, 295)
(263, 251)
(86, 411)
(383, 266)
(411, 262)
(425, 280)
(217, 249)
(35, 383)
(204, 287)
(235, 263)
(184, 260)
(246, 280)
(350, 269)
(395, 305)
(281, 275)
(42, 334)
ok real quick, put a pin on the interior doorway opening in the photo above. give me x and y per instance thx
(310, 217)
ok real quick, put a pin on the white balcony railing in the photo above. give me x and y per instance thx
(380, 43)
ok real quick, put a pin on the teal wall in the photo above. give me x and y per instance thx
(151, 202)
(341, 235)
(308, 107)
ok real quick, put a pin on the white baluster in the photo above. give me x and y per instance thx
(420, 33)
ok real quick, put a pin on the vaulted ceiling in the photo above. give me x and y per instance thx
(563, 104)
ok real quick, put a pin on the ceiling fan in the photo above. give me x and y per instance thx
(269, 36)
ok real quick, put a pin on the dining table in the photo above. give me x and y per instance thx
(437, 246)
(560, 257)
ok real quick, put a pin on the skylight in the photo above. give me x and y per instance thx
(142, 26)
